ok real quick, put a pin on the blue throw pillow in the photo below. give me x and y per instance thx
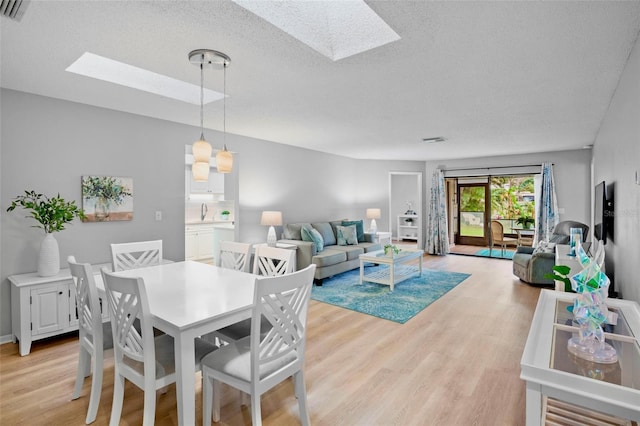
(312, 235)
(359, 228)
(347, 235)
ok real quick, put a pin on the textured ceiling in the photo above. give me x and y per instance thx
(493, 78)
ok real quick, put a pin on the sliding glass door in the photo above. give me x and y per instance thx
(474, 207)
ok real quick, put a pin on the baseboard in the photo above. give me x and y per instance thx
(6, 339)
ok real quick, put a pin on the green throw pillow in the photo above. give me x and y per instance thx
(359, 228)
(347, 235)
(310, 234)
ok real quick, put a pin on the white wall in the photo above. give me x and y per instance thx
(616, 157)
(48, 144)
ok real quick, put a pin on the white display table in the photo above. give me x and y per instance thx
(550, 370)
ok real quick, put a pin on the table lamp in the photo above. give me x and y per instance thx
(271, 219)
(373, 214)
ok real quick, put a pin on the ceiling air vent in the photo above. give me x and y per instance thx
(13, 9)
(434, 140)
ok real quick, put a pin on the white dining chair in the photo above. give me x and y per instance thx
(272, 261)
(234, 255)
(134, 255)
(259, 362)
(93, 339)
(268, 261)
(145, 360)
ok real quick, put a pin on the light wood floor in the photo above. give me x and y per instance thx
(455, 363)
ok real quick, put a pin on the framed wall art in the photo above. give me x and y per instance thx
(107, 198)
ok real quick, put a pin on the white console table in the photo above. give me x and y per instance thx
(551, 371)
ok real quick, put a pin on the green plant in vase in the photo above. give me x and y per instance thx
(225, 214)
(105, 190)
(52, 214)
(525, 221)
(390, 249)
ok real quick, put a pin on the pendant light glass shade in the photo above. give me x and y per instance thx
(201, 151)
(224, 161)
(200, 171)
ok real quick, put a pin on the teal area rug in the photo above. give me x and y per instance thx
(508, 254)
(407, 299)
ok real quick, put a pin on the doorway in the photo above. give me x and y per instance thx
(475, 208)
(405, 209)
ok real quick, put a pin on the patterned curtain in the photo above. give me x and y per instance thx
(548, 210)
(437, 231)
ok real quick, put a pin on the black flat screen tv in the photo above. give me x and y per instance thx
(602, 213)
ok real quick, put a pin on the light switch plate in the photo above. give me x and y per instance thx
(637, 177)
(159, 215)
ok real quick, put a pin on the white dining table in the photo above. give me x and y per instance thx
(189, 299)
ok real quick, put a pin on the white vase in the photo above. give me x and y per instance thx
(49, 257)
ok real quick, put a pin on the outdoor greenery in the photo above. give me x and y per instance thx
(104, 187)
(511, 200)
(506, 197)
(51, 213)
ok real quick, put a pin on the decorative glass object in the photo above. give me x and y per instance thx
(590, 310)
(575, 239)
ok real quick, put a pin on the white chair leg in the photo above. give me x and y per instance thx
(217, 390)
(118, 397)
(149, 417)
(84, 358)
(207, 400)
(244, 399)
(96, 387)
(256, 412)
(301, 394)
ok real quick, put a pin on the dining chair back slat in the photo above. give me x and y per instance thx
(272, 261)
(134, 255)
(234, 255)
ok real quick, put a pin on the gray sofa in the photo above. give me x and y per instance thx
(333, 259)
(530, 265)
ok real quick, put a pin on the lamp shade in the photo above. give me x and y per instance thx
(271, 218)
(373, 213)
(224, 161)
(200, 171)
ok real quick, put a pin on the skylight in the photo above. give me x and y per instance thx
(337, 29)
(101, 68)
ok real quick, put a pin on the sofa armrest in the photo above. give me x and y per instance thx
(369, 238)
(304, 253)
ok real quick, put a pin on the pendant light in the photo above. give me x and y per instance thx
(224, 159)
(201, 148)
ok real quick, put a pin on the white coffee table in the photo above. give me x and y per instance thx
(398, 270)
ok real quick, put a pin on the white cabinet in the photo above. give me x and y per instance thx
(198, 242)
(408, 227)
(215, 184)
(43, 306)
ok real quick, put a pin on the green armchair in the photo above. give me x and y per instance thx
(530, 265)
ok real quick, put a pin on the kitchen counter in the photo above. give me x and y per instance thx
(209, 222)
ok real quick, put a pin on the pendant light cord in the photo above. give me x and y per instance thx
(202, 98)
(224, 106)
